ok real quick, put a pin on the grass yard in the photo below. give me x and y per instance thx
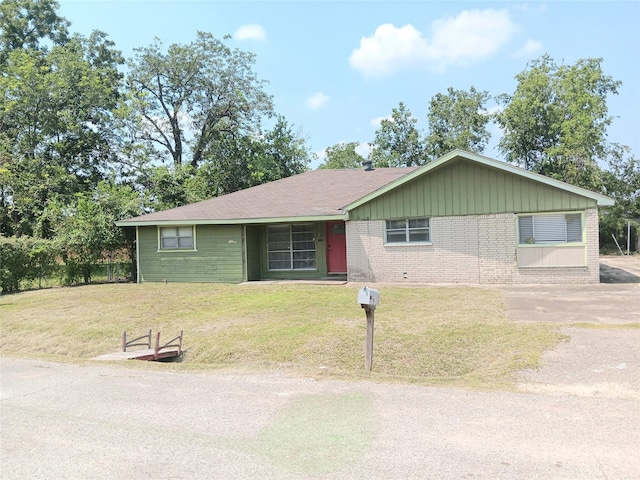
(436, 335)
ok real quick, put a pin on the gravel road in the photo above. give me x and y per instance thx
(103, 422)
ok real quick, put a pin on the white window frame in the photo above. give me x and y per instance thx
(549, 234)
(180, 233)
(408, 230)
(291, 249)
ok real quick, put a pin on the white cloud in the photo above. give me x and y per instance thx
(317, 100)
(531, 48)
(252, 31)
(375, 122)
(471, 36)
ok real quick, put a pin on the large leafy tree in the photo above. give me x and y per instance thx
(192, 95)
(56, 125)
(342, 155)
(555, 123)
(233, 163)
(85, 230)
(458, 119)
(284, 153)
(398, 142)
(24, 24)
(622, 183)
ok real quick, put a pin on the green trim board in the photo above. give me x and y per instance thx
(235, 221)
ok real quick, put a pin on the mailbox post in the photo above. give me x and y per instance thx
(369, 298)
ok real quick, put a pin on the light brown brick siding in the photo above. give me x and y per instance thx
(475, 249)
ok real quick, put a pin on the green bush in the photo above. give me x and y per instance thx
(25, 259)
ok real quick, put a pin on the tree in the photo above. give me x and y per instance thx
(342, 155)
(170, 186)
(56, 125)
(458, 120)
(555, 122)
(398, 142)
(233, 163)
(24, 24)
(238, 162)
(193, 95)
(622, 183)
(284, 153)
(86, 230)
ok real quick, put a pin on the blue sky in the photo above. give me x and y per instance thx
(336, 68)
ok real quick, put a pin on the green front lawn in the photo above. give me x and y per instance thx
(431, 335)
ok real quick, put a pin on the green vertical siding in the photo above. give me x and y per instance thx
(218, 256)
(254, 251)
(467, 188)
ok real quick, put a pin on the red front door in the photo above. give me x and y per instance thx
(336, 248)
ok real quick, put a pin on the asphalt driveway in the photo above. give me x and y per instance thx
(599, 358)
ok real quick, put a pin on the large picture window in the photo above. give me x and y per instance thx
(291, 247)
(411, 230)
(550, 228)
(176, 238)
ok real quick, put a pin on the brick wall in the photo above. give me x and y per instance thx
(452, 257)
(476, 249)
(497, 247)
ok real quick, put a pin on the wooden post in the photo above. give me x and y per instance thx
(368, 348)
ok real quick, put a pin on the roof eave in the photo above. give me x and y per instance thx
(235, 221)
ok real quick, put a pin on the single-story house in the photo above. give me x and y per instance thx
(464, 218)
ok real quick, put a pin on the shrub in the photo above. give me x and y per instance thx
(25, 258)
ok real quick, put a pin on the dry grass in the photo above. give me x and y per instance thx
(438, 335)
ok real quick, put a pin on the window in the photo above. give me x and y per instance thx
(176, 238)
(411, 230)
(291, 247)
(550, 228)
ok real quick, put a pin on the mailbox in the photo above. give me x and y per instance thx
(368, 296)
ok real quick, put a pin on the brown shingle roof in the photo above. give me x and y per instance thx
(317, 193)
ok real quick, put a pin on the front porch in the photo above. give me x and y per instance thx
(306, 251)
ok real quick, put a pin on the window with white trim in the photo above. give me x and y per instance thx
(410, 230)
(291, 247)
(550, 228)
(176, 238)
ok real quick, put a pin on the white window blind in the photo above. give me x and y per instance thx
(550, 228)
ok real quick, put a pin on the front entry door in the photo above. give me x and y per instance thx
(336, 248)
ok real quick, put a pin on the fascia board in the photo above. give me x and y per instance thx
(235, 221)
